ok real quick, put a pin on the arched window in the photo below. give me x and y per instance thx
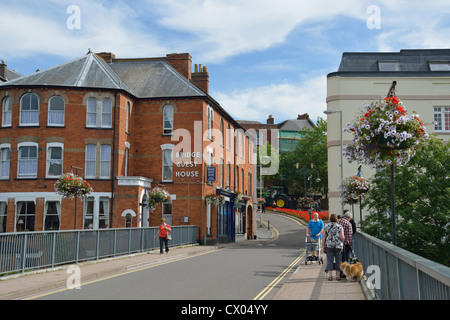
(168, 119)
(56, 107)
(6, 111)
(29, 109)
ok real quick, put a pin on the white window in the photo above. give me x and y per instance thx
(229, 137)
(56, 106)
(388, 66)
(168, 119)
(29, 110)
(105, 161)
(91, 120)
(242, 145)
(52, 215)
(6, 112)
(91, 161)
(99, 114)
(167, 164)
(222, 132)
(439, 66)
(89, 213)
(127, 126)
(98, 167)
(54, 167)
(3, 211)
(28, 160)
(103, 213)
(210, 114)
(259, 138)
(25, 216)
(442, 119)
(96, 212)
(106, 113)
(127, 155)
(4, 158)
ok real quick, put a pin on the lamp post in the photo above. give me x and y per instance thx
(327, 112)
(76, 197)
(310, 188)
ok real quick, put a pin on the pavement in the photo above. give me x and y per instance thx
(307, 282)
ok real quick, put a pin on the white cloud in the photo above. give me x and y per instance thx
(284, 101)
(227, 28)
(413, 25)
(40, 28)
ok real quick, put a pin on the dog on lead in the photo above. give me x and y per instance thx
(355, 271)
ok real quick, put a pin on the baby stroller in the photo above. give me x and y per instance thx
(311, 246)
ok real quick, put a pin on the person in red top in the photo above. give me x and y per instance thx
(164, 231)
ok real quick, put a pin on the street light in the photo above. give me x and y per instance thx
(310, 187)
(327, 112)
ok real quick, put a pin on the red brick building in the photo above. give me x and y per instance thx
(126, 126)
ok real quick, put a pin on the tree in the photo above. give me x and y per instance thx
(422, 190)
(312, 148)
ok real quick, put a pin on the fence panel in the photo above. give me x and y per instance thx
(404, 275)
(36, 250)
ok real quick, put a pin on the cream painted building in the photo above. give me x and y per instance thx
(423, 85)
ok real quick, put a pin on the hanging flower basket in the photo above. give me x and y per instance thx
(383, 134)
(215, 199)
(353, 188)
(70, 185)
(157, 195)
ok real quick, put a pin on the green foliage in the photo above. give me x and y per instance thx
(311, 149)
(422, 206)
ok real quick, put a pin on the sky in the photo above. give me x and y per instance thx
(263, 56)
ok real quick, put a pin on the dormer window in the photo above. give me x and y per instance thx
(439, 65)
(388, 66)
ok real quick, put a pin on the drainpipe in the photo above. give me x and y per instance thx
(111, 214)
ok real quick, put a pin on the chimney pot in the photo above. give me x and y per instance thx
(107, 56)
(3, 70)
(182, 62)
(270, 120)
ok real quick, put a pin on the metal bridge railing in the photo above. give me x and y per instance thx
(397, 274)
(36, 250)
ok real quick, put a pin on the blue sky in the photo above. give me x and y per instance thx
(263, 56)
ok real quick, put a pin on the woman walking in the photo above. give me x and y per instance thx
(164, 231)
(333, 243)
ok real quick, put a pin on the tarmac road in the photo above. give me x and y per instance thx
(254, 270)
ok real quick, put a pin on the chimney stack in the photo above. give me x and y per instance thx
(270, 119)
(3, 70)
(182, 62)
(304, 116)
(201, 78)
(107, 56)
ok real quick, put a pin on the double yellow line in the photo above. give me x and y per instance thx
(271, 285)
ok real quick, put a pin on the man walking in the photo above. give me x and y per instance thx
(348, 232)
(314, 230)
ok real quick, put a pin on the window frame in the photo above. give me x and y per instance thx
(4, 113)
(47, 159)
(49, 111)
(168, 117)
(30, 124)
(27, 144)
(2, 147)
(441, 112)
(167, 148)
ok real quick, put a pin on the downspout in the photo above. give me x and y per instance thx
(113, 162)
